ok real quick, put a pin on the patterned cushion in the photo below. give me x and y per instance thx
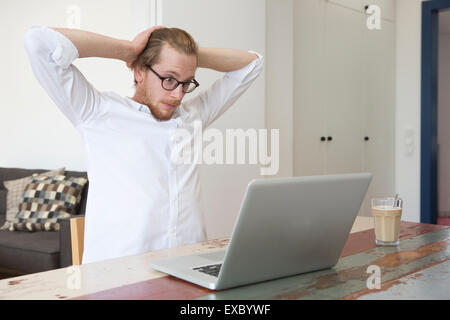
(46, 200)
(15, 191)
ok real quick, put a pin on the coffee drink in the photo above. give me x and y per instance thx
(387, 215)
(387, 223)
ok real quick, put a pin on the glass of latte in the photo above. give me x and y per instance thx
(387, 213)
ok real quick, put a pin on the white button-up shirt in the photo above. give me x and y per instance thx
(139, 200)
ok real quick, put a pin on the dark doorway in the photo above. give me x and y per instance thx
(429, 110)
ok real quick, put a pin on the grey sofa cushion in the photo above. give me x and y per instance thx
(29, 252)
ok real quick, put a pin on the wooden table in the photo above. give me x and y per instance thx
(417, 269)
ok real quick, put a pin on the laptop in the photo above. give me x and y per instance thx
(285, 227)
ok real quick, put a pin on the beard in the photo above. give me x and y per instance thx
(157, 110)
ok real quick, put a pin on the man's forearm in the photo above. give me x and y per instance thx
(91, 44)
(224, 60)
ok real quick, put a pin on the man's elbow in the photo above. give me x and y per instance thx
(33, 40)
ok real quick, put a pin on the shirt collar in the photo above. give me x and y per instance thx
(139, 107)
(145, 109)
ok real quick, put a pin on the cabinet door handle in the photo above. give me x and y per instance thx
(366, 138)
(330, 138)
(323, 138)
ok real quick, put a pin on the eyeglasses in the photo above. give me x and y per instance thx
(169, 83)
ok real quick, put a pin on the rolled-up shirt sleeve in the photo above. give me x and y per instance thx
(51, 55)
(213, 102)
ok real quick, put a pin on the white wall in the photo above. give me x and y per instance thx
(408, 79)
(280, 83)
(33, 132)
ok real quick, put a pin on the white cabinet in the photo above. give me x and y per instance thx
(379, 101)
(344, 92)
(342, 88)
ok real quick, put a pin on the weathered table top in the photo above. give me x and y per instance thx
(417, 269)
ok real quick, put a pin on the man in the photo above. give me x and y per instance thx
(138, 199)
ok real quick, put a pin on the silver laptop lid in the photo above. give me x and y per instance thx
(288, 226)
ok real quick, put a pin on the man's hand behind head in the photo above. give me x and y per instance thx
(139, 43)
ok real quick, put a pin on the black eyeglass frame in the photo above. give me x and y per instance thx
(195, 82)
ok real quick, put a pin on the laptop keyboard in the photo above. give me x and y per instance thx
(212, 270)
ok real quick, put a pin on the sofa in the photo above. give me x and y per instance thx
(23, 252)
